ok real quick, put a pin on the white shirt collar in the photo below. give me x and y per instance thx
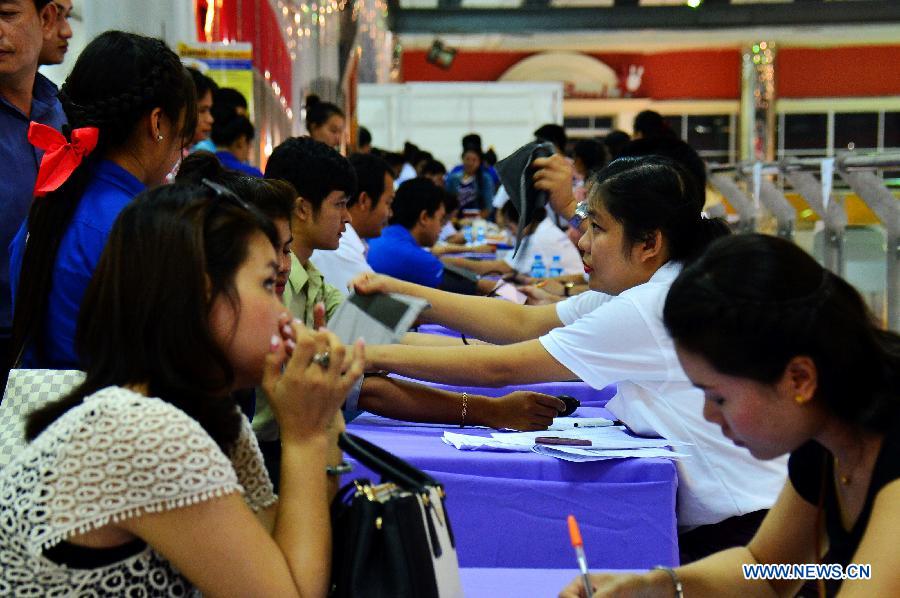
(353, 240)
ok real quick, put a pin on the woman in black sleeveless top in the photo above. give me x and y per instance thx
(791, 361)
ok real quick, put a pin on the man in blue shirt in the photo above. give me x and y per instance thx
(233, 139)
(25, 96)
(417, 221)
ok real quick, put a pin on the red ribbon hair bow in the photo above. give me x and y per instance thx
(61, 157)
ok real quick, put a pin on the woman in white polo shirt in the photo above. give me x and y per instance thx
(645, 223)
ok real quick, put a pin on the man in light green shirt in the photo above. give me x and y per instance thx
(323, 180)
(306, 287)
(304, 290)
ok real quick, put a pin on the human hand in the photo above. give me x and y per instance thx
(370, 283)
(456, 239)
(524, 410)
(318, 316)
(286, 332)
(486, 286)
(306, 393)
(554, 175)
(619, 586)
(539, 295)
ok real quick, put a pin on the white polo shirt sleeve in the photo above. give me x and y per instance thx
(580, 305)
(613, 342)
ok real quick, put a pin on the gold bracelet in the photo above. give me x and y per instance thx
(465, 408)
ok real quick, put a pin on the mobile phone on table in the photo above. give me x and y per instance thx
(556, 440)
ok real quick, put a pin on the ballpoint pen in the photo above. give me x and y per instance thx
(578, 545)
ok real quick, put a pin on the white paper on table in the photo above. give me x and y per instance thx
(570, 423)
(608, 437)
(579, 454)
(468, 442)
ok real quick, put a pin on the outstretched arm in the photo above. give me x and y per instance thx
(479, 365)
(489, 319)
(481, 267)
(401, 399)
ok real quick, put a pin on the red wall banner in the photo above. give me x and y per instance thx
(705, 74)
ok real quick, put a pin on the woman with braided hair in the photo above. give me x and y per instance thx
(131, 108)
(791, 361)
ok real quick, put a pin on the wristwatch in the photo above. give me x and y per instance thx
(582, 211)
(567, 288)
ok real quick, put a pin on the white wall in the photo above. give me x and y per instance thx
(435, 116)
(170, 20)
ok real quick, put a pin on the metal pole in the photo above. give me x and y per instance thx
(781, 208)
(871, 189)
(834, 216)
(738, 200)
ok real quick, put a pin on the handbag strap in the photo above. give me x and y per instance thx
(388, 466)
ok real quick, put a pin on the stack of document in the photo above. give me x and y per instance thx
(606, 442)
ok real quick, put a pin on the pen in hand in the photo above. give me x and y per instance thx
(578, 545)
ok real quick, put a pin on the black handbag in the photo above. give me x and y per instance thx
(391, 539)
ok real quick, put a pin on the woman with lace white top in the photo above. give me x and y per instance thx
(132, 483)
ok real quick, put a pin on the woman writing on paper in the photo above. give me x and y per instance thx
(794, 364)
(645, 223)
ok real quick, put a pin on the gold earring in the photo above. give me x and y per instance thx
(801, 400)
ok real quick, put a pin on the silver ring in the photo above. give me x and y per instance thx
(323, 359)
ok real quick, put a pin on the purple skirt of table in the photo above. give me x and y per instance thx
(509, 509)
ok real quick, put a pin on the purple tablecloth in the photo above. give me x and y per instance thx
(509, 509)
(436, 329)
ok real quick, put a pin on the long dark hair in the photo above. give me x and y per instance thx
(117, 79)
(753, 302)
(653, 193)
(145, 315)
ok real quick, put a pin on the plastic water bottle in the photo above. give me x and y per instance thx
(538, 270)
(555, 267)
(467, 233)
(479, 235)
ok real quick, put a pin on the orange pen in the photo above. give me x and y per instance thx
(578, 545)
